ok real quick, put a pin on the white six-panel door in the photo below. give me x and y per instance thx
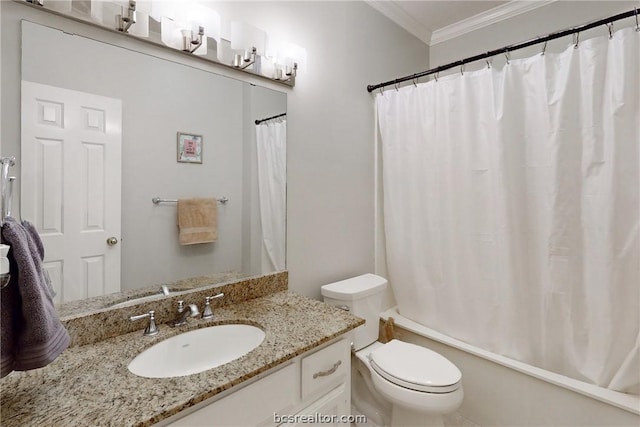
(71, 184)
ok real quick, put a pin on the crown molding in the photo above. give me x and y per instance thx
(484, 19)
(398, 15)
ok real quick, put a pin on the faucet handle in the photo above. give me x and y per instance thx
(207, 313)
(151, 328)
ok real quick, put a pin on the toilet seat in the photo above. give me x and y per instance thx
(414, 367)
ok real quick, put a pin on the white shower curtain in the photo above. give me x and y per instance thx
(271, 138)
(511, 208)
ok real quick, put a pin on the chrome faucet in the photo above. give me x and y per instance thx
(151, 328)
(191, 310)
(207, 313)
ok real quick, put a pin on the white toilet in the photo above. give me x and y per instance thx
(420, 384)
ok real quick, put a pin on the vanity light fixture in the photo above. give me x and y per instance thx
(186, 25)
(285, 61)
(246, 60)
(289, 72)
(126, 21)
(248, 42)
(189, 43)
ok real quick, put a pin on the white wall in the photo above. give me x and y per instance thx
(544, 20)
(1, 152)
(330, 167)
(330, 151)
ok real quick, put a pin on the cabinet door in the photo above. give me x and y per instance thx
(250, 406)
(325, 369)
(332, 409)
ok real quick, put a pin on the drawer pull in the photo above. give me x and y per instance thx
(329, 372)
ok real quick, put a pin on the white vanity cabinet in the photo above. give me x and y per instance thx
(311, 386)
(334, 408)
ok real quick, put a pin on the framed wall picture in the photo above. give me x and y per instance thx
(189, 148)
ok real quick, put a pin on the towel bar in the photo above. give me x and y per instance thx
(158, 200)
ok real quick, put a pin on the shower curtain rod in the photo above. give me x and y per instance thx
(269, 118)
(507, 49)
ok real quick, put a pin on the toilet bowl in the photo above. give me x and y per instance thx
(365, 399)
(420, 384)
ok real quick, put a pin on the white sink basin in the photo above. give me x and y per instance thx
(196, 351)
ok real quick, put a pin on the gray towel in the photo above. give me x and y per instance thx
(37, 337)
(9, 301)
(35, 237)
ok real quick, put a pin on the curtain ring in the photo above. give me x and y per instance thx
(436, 76)
(415, 81)
(396, 85)
(576, 39)
(506, 55)
(462, 69)
(381, 92)
(610, 27)
(488, 64)
(544, 48)
(637, 24)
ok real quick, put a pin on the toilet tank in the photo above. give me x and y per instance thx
(362, 296)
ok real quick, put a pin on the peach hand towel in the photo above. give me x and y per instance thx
(198, 221)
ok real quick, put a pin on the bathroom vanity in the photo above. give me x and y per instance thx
(316, 382)
(90, 384)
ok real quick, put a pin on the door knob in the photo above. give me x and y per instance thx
(112, 241)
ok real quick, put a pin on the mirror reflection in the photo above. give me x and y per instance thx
(105, 130)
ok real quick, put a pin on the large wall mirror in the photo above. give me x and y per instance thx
(103, 132)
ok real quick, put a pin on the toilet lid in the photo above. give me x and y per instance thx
(415, 367)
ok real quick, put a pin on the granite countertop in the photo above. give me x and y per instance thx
(91, 385)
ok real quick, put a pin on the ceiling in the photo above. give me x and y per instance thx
(436, 21)
(437, 14)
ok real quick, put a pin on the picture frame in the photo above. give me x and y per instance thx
(189, 148)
